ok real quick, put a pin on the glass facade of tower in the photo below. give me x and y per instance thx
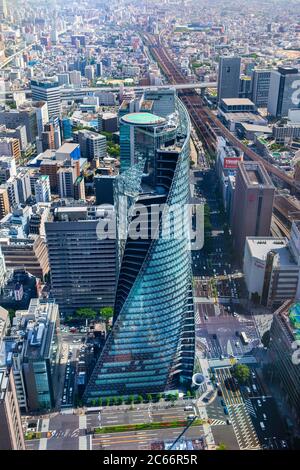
(151, 346)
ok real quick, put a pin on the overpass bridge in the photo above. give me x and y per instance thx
(82, 91)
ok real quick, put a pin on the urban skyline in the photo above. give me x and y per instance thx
(149, 225)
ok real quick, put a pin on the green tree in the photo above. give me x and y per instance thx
(131, 399)
(188, 394)
(93, 402)
(149, 397)
(159, 396)
(106, 313)
(99, 401)
(107, 401)
(121, 400)
(86, 313)
(115, 400)
(140, 399)
(241, 373)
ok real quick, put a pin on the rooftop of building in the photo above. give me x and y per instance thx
(108, 115)
(255, 175)
(237, 102)
(260, 247)
(82, 213)
(143, 119)
(256, 128)
(67, 147)
(36, 326)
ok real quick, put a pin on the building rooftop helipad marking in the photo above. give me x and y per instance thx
(144, 119)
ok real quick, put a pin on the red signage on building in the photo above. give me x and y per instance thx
(231, 163)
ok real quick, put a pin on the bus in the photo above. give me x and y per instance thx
(244, 338)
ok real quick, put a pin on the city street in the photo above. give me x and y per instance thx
(66, 430)
(142, 440)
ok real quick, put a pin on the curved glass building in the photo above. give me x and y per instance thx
(150, 348)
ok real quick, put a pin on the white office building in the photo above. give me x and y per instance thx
(42, 189)
(272, 267)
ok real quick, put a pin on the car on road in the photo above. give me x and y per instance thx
(228, 421)
(191, 416)
(220, 393)
(225, 410)
(283, 444)
(189, 408)
(223, 403)
(248, 390)
(254, 388)
(263, 398)
(263, 427)
(259, 403)
(221, 356)
(265, 416)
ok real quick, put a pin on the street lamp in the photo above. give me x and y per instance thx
(190, 422)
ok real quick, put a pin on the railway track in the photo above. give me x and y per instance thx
(206, 123)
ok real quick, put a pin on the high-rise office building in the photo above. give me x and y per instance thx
(151, 346)
(260, 87)
(40, 353)
(91, 144)
(11, 435)
(42, 189)
(49, 91)
(284, 355)
(89, 72)
(283, 94)
(128, 106)
(83, 266)
(104, 189)
(79, 188)
(252, 204)
(229, 77)
(75, 78)
(66, 179)
(245, 87)
(63, 79)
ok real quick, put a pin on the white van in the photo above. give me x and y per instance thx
(263, 427)
(188, 408)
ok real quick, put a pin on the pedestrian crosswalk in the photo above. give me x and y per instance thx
(243, 427)
(216, 422)
(250, 408)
